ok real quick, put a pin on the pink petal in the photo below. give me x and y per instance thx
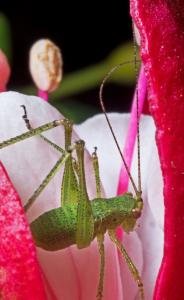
(161, 28)
(19, 271)
(129, 147)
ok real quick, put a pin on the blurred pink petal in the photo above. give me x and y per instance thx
(4, 71)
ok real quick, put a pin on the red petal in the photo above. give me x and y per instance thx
(161, 26)
(20, 277)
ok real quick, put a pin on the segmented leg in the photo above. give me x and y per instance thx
(48, 178)
(97, 173)
(29, 127)
(100, 239)
(85, 219)
(31, 133)
(129, 262)
(69, 186)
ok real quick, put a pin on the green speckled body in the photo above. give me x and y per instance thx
(56, 229)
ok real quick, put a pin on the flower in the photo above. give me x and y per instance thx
(160, 27)
(72, 273)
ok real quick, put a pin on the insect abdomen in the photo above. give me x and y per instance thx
(55, 229)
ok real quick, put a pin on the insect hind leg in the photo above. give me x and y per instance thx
(129, 262)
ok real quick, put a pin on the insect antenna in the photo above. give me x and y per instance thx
(137, 191)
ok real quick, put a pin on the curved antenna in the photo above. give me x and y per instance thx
(137, 105)
(137, 191)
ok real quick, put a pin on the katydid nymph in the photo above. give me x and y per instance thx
(79, 220)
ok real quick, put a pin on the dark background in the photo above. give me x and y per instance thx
(86, 33)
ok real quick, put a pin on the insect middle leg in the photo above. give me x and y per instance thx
(47, 179)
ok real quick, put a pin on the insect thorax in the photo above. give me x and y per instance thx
(112, 212)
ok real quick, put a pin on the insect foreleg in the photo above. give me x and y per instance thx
(31, 133)
(29, 127)
(129, 262)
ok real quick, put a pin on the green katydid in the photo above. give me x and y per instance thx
(79, 220)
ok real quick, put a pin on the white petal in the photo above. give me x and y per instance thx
(151, 236)
(134, 248)
(96, 133)
(28, 163)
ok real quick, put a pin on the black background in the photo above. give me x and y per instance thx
(86, 33)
